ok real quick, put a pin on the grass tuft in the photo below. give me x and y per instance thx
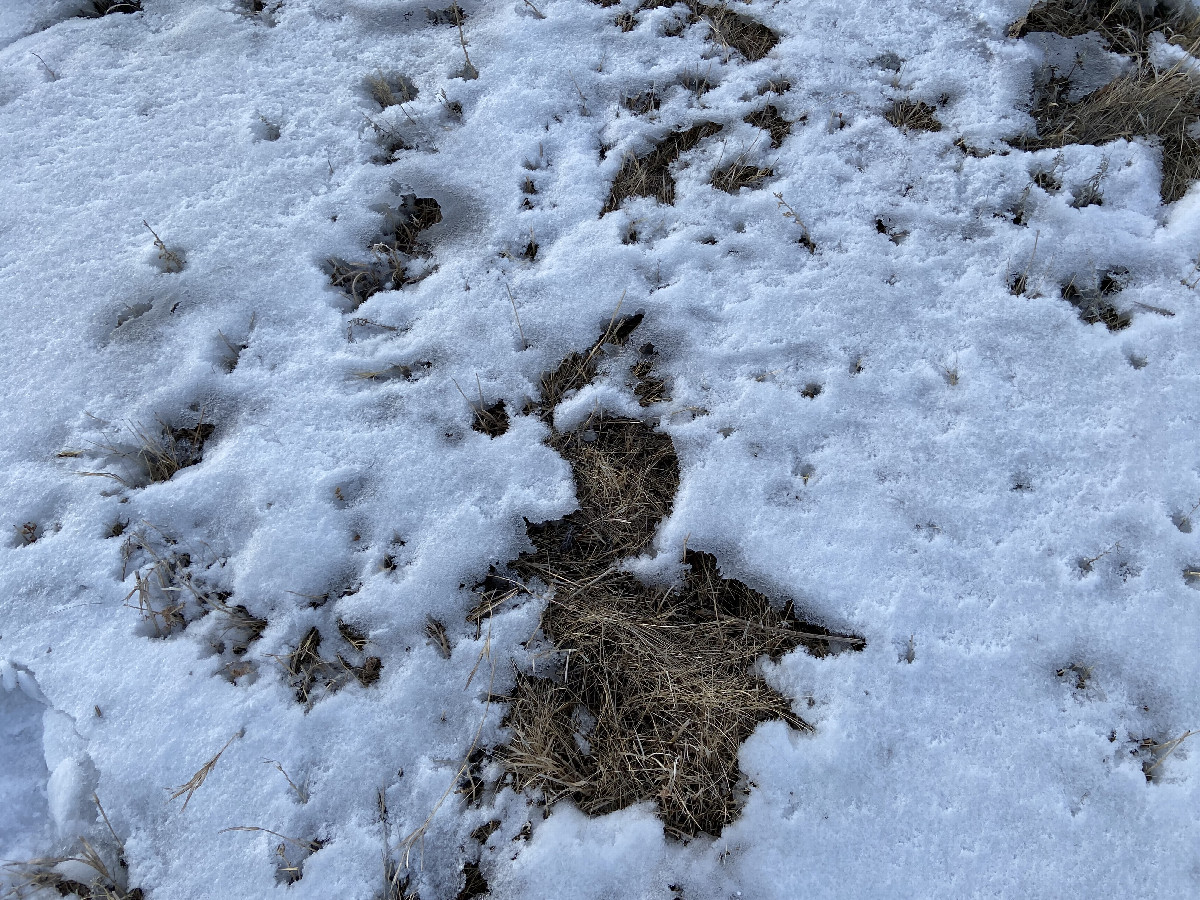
(913, 115)
(655, 686)
(1124, 26)
(649, 175)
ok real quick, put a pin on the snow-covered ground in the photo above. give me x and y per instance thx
(992, 492)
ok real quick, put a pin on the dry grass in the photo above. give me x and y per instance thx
(1124, 26)
(1144, 102)
(771, 120)
(657, 686)
(740, 174)
(1095, 304)
(649, 175)
(311, 676)
(642, 104)
(390, 90)
(109, 881)
(194, 784)
(913, 115)
(747, 36)
(156, 458)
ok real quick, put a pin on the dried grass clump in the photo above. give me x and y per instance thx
(770, 120)
(642, 104)
(649, 175)
(738, 174)
(312, 676)
(578, 369)
(156, 458)
(748, 37)
(1124, 25)
(390, 90)
(54, 875)
(909, 115)
(1095, 305)
(1144, 102)
(658, 684)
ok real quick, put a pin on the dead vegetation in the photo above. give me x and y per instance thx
(154, 458)
(655, 686)
(394, 253)
(1146, 102)
(60, 875)
(311, 676)
(1095, 303)
(1124, 26)
(770, 120)
(649, 175)
(1142, 103)
(749, 37)
(391, 90)
(913, 115)
(740, 174)
(642, 104)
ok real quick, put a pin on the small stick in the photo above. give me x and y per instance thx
(537, 12)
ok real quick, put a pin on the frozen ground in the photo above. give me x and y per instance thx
(994, 493)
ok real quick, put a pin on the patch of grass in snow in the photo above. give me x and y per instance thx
(747, 36)
(149, 458)
(390, 90)
(1123, 25)
(913, 115)
(1142, 103)
(657, 685)
(1095, 303)
(740, 174)
(97, 871)
(770, 120)
(312, 676)
(649, 174)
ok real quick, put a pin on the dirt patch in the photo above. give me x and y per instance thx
(770, 120)
(649, 175)
(655, 685)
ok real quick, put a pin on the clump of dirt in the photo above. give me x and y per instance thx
(770, 120)
(656, 684)
(649, 175)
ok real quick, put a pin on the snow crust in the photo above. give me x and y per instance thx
(967, 450)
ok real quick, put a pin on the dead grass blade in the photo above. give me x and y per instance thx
(193, 784)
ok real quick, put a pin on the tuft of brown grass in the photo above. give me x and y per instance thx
(770, 120)
(649, 175)
(642, 104)
(390, 90)
(1124, 26)
(655, 686)
(913, 115)
(747, 36)
(194, 784)
(157, 458)
(1095, 304)
(1142, 103)
(739, 174)
(110, 879)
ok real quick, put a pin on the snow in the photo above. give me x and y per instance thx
(942, 521)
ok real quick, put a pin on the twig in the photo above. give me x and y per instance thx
(537, 12)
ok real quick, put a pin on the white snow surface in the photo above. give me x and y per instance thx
(943, 517)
